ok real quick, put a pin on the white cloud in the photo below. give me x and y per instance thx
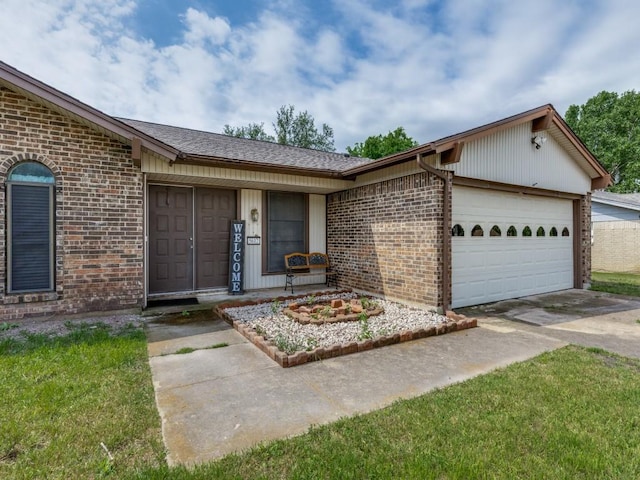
(201, 28)
(435, 68)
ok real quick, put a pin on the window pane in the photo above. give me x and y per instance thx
(31, 172)
(30, 238)
(457, 230)
(286, 227)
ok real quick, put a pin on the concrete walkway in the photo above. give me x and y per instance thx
(216, 401)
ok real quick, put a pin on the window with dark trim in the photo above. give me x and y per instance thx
(565, 232)
(553, 232)
(540, 232)
(457, 231)
(512, 232)
(30, 228)
(477, 231)
(526, 231)
(287, 227)
(495, 231)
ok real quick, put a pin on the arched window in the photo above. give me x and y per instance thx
(553, 232)
(565, 232)
(512, 232)
(526, 231)
(495, 231)
(30, 228)
(457, 231)
(477, 231)
(540, 232)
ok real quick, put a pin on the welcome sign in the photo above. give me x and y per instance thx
(236, 258)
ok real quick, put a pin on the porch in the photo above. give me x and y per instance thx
(174, 303)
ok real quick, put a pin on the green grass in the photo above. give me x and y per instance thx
(63, 397)
(570, 413)
(185, 350)
(618, 283)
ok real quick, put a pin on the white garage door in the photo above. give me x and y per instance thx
(508, 245)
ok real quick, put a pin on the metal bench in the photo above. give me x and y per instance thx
(307, 264)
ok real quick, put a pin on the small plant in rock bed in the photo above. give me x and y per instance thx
(326, 311)
(364, 301)
(286, 345)
(365, 331)
(275, 306)
(311, 299)
(368, 303)
(311, 343)
(260, 331)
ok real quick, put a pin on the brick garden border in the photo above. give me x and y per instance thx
(456, 322)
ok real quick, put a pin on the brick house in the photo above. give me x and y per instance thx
(615, 228)
(103, 213)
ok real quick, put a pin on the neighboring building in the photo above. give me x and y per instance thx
(118, 212)
(615, 241)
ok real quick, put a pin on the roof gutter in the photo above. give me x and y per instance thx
(390, 160)
(447, 180)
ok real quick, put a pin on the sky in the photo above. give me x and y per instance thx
(363, 67)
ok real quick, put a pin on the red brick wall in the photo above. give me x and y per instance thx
(99, 211)
(387, 237)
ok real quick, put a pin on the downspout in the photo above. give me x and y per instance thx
(446, 229)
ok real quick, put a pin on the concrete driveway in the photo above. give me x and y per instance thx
(216, 401)
(582, 317)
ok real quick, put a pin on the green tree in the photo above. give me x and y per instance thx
(290, 128)
(254, 131)
(378, 146)
(609, 125)
(300, 130)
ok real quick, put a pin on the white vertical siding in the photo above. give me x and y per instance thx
(250, 199)
(509, 157)
(406, 168)
(317, 223)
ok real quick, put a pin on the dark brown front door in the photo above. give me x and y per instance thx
(188, 252)
(215, 209)
(170, 239)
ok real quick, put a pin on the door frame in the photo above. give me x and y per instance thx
(148, 183)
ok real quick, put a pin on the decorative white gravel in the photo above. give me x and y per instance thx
(291, 336)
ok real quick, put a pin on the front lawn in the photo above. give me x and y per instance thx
(619, 283)
(65, 397)
(571, 413)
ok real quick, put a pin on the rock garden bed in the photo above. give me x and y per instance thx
(292, 333)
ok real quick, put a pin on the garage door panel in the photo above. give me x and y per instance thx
(486, 268)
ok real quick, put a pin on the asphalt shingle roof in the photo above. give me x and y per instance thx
(215, 145)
